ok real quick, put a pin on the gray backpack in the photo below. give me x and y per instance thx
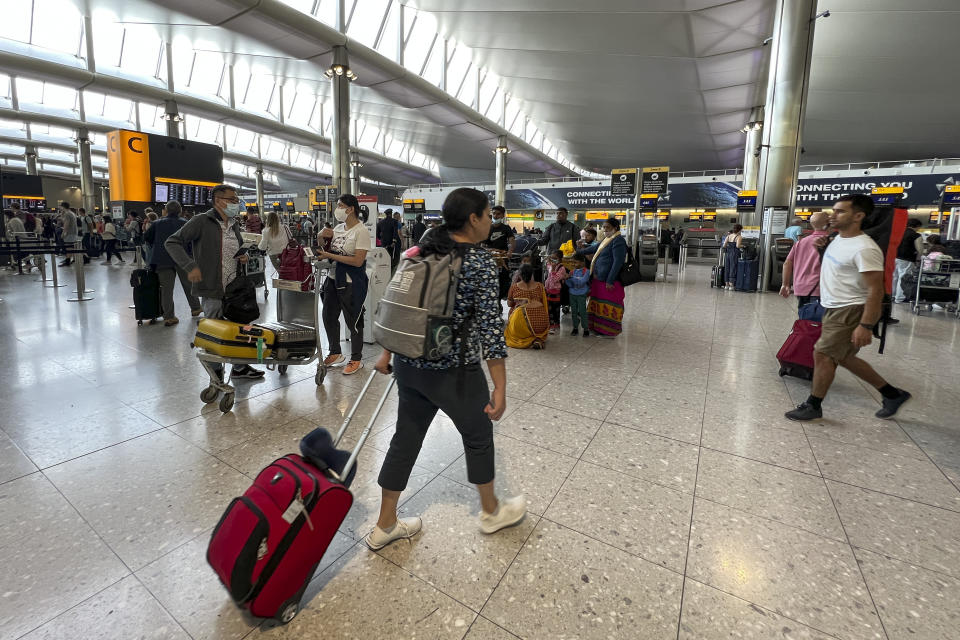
(415, 316)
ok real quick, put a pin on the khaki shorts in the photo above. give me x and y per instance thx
(837, 329)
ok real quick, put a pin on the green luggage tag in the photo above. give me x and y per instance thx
(259, 349)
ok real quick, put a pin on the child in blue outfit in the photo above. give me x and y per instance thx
(579, 284)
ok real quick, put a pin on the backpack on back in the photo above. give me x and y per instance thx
(415, 316)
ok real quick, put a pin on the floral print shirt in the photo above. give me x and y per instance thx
(478, 300)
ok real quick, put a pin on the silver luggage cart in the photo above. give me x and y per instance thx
(294, 306)
(939, 284)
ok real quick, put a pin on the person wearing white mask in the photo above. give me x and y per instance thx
(346, 290)
(215, 240)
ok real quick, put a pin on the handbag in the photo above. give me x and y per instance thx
(630, 271)
(240, 300)
(812, 310)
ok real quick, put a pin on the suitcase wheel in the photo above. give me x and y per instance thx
(282, 368)
(226, 402)
(139, 323)
(209, 394)
(321, 374)
(288, 612)
(783, 371)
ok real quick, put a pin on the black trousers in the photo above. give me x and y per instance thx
(802, 300)
(110, 249)
(460, 393)
(335, 303)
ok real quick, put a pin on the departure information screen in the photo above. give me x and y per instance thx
(185, 194)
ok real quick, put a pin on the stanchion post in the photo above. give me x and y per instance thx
(81, 283)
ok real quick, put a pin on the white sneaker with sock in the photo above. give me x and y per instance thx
(509, 512)
(404, 528)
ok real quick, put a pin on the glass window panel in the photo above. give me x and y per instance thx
(461, 75)
(207, 69)
(434, 71)
(395, 149)
(56, 95)
(259, 92)
(141, 52)
(419, 41)
(388, 44)
(4, 86)
(494, 108)
(16, 21)
(117, 108)
(205, 130)
(274, 149)
(327, 12)
(302, 108)
(150, 118)
(107, 38)
(366, 20)
(30, 91)
(368, 137)
(57, 24)
(93, 103)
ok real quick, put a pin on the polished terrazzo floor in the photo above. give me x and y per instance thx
(668, 498)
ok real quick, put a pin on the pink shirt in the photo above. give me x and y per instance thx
(806, 265)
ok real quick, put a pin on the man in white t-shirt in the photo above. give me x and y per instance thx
(851, 291)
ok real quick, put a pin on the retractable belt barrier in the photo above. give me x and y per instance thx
(19, 249)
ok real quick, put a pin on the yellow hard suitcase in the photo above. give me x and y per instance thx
(232, 340)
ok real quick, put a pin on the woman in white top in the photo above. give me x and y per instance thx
(345, 291)
(274, 238)
(110, 240)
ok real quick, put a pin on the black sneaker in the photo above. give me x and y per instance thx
(575, 332)
(892, 405)
(586, 333)
(805, 411)
(246, 371)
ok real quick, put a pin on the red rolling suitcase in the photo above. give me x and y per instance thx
(796, 354)
(267, 545)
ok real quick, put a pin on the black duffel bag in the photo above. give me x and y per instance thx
(240, 301)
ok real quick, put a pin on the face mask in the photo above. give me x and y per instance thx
(497, 220)
(232, 209)
(340, 214)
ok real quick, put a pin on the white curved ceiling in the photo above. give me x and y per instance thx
(633, 82)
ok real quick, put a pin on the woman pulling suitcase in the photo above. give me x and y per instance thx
(455, 383)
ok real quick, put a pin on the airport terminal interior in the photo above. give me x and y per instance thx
(667, 494)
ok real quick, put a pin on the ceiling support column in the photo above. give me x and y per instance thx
(104, 199)
(355, 172)
(787, 86)
(173, 118)
(501, 152)
(340, 132)
(30, 157)
(89, 198)
(259, 176)
(751, 149)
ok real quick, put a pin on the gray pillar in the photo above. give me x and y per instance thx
(172, 117)
(259, 174)
(89, 198)
(355, 172)
(501, 152)
(30, 157)
(787, 85)
(751, 149)
(104, 199)
(340, 132)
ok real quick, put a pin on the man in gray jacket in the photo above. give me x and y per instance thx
(559, 232)
(215, 239)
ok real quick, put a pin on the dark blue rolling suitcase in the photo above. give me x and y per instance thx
(747, 273)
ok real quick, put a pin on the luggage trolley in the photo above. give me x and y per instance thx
(295, 307)
(939, 284)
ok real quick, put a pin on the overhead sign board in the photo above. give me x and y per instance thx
(951, 195)
(648, 202)
(746, 200)
(655, 180)
(886, 196)
(623, 182)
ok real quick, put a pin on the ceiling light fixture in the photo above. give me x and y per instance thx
(340, 70)
(752, 126)
(501, 149)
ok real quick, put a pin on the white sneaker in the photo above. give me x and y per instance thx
(405, 528)
(509, 512)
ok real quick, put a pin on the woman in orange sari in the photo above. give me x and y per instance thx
(529, 322)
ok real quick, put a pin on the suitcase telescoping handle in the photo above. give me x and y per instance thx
(345, 472)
